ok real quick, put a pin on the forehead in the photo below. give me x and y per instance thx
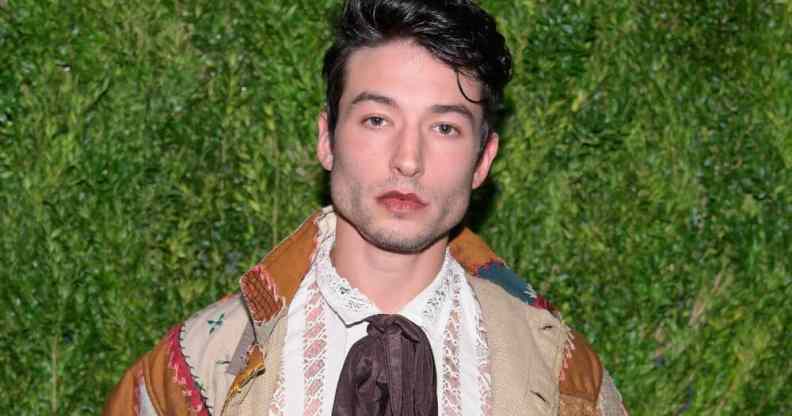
(409, 74)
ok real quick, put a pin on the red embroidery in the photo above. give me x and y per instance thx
(182, 375)
(261, 293)
(542, 303)
(570, 346)
(314, 351)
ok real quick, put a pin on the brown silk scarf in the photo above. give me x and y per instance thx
(389, 372)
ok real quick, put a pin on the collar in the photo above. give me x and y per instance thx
(352, 306)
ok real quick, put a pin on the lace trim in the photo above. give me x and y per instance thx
(350, 304)
(484, 372)
(448, 275)
(451, 385)
(353, 306)
(314, 352)
(278, 404)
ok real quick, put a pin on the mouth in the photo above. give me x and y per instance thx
(401, 202)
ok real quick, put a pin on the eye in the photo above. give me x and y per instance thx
(375, 122)
(446, 129)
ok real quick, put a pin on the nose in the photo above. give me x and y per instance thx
(407, 157)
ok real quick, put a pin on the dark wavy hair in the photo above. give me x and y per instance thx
(457, 32)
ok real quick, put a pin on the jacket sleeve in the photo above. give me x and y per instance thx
(152, 386)
(585, 387)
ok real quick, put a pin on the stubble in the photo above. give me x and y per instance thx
(349, 195)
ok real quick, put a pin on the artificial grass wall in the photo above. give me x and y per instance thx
(151, 151)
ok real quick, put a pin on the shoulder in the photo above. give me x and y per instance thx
(583, 385)
(191, 368)
(211, 348)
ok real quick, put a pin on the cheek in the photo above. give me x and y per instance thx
(355, 161)
(454, 168)
(361, 153)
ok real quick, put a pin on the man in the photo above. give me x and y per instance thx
(379, 304)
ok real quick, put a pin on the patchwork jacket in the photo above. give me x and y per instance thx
(224, 359)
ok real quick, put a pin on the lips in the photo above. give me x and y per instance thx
(398, 201)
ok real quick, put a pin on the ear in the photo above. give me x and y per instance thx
(485, 161)
(324, 147)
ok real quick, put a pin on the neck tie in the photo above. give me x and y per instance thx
(389, 372)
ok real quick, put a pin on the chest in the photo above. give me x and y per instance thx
(318, 340)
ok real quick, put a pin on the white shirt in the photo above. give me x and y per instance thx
(325, 319)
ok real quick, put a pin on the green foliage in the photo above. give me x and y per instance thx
(151, 151)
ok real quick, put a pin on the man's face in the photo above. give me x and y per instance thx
(405, 154)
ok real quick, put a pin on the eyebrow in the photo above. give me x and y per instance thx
(454, 108)
(377, 98)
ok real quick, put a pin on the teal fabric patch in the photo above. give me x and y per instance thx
(504, 277)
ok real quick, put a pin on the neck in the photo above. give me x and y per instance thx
(390, 280)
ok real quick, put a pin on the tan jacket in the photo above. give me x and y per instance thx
(224, 360)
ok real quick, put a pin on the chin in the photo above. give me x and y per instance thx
(399, 241)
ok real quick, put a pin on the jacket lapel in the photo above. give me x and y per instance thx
(270, 285)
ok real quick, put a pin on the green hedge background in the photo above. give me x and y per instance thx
(151, 151)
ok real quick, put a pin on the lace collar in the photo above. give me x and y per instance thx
(352, 306)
